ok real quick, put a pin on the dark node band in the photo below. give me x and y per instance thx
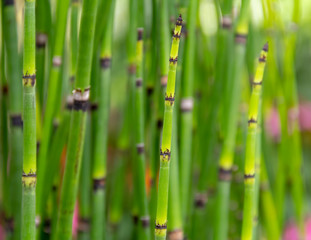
(8, 2)
(149, 91)
(5, 89)
(132, 69)
(69, 106)
(173, 60)
(99, 183)
(105, 62)
(179, 21)
(145, 222)
(57, 61)
(266, 47)
(80, 105)
(161, 226)
(160, 123)
(257, 83)
(226, 22)
(240, 38)
(47, 226)
(72, 79)
(224, 174)
(140, 33)
(93, 106)
(252, 120)
(84, 224)
(165, 153)
(9, 224)
(30, 174)
(249, 176)
(135, 219)
(54, 188)
(170, 98)
(200, 200)
(31, 78)
(38, 146)
(263, 59)
(41, 40)
(176, 234)
(16, 120)
(139, 82)
(177, 36)
(140, 148)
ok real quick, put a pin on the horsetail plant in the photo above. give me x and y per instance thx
(250, 155)
(100, 155)
(78, 118)
(165, 152)
(15, 117)
(227, 154)
(52, 99)
(29, 177)
(186, 107)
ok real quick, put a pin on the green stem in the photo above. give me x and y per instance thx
(165, 152)
(78, 119)
(29, 177)
(250, 155)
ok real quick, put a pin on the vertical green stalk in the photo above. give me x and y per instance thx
(84, 196)
(74, 22)
(268, 209)
(15, 115)
(99, 170)
(139, 162)
(78, 119)
(186, 107)
(250, 155)
(165, 151)
(43, 33)
(227, 154)
(29, 177)
(53, 95)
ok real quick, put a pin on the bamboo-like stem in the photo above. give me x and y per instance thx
(4, 146)
(224, 44)
(139, 162)
(52, 100)
(29, 177)
(78, 118)
(43, 33)
(175, 226)
(165, 152)
(227, 154)
(74, 23)
(85, 184)
(250, 155)
(99, 169)
(186, 107)
(15, 117)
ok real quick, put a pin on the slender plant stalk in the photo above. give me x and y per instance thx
(250, 155)
(4, 146)
(15, 117)
(74, 22)
(78, 119)
(43, 33)
(175, 226)
(29, 177)
(165, 152)
(269, 213)
(186, 107)
(53, 96)
(84, 196)
(99, 171)
(227, 154)
(140, 168)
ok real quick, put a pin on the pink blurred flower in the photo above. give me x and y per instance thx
(291, 231)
